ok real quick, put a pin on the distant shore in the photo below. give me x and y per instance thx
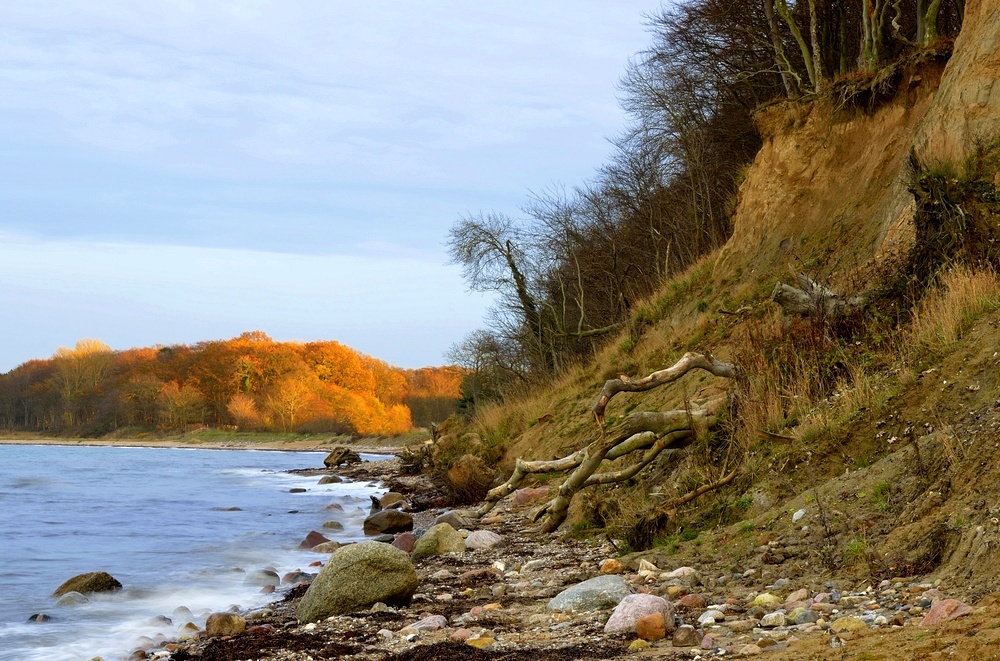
(219, 440)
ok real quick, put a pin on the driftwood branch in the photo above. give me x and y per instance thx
(688, 362)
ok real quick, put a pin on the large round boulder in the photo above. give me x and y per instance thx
(387, 522)
(635, 607)
(95, 581)
(357, 577)
(438, 540)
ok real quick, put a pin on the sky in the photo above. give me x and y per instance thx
(188, 170)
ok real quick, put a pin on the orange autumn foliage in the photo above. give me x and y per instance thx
(249, 382)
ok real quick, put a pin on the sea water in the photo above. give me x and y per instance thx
(162, 522)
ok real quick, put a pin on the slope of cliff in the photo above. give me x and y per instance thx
(886, 432)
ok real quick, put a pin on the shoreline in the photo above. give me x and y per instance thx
(391, 446)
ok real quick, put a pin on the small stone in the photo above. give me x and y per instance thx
(836, 643)
(430, 623)
(687, 636)
(775, 619)
(798, 515)
(750, 650)
(707, 643)
(651, 627)
(766, 601)
(326, 547)
(482, 539)
(638, 645)
(897, 620)
(461, 634)
(710, 617)
(612, 566)
(848, 623)
(693, 600)
(798, 595)
(480, 642)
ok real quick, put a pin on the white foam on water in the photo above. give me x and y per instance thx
(110, 626)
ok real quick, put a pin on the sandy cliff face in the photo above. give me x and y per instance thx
(966, 108)
(832, 183)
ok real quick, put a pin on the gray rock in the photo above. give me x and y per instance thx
(356, 577)
(330, 479)
(333, 525)
(482, 539)
(438, 540)
(388, 521)
(97, 581)
(633, 608)
(597, 593)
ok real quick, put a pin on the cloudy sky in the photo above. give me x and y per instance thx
(187, 170)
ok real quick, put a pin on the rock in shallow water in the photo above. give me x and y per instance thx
(97, 581)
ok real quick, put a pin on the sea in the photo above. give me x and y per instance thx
(179, 528)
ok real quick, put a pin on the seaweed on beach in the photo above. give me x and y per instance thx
(254, 647)
(457, 651)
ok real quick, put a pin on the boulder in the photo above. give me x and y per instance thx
(388, 521)
(595, 594)
(312, 539)
(333, 525)
(634, 607)
(97, 581)
(482, 539)
(225, 624)
(330, 479)
(356, 577)
(341, 455)
(438, 540)
(469, 478)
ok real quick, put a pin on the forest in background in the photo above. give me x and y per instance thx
(573, 269)
(250, 383)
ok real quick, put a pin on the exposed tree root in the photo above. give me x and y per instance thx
(650, 432)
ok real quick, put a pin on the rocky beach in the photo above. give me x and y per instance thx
(459, 588)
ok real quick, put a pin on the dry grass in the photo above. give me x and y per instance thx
(946, 314)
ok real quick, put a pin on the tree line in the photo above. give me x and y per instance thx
(249, 383)
(569, 268)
